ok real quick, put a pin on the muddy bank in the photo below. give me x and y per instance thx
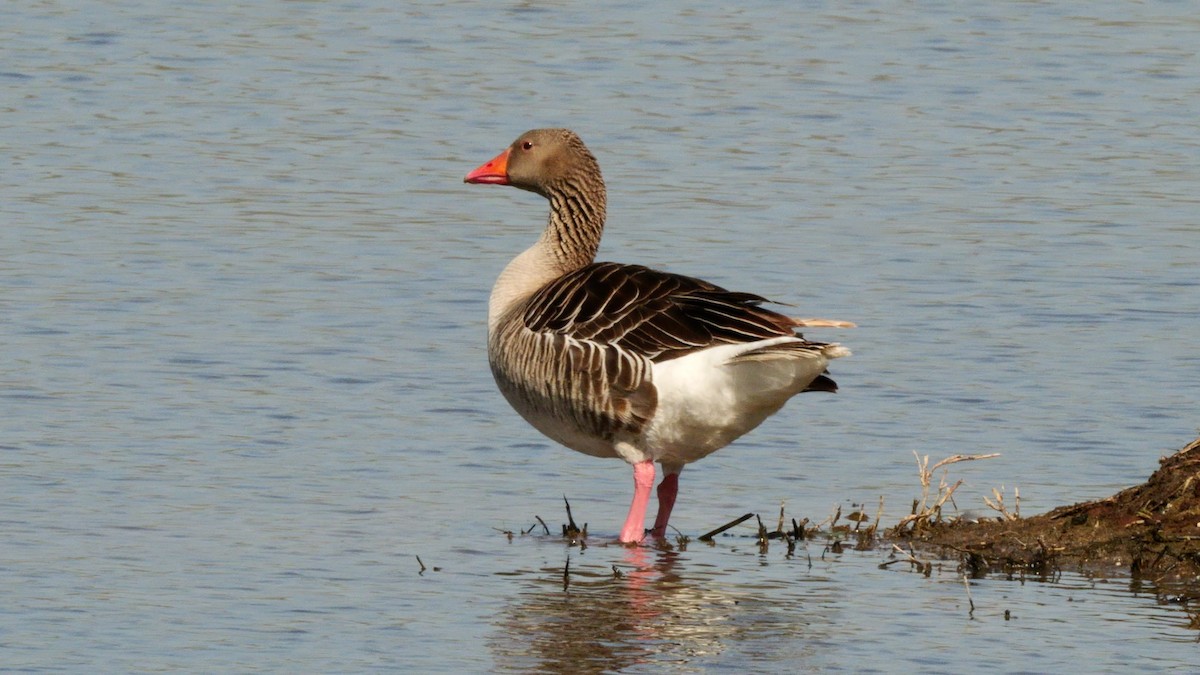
(1150, 531)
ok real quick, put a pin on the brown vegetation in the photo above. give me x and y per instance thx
(1150, 531)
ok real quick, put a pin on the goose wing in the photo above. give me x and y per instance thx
(648, 313)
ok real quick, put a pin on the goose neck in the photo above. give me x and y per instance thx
(576, 223)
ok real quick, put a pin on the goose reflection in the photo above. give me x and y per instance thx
(606, 620)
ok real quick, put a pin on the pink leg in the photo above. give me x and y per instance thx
(667, 489)
(635, 523)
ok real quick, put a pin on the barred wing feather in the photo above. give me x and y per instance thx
(654, 314)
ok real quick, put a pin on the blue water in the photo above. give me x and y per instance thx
(243, 291)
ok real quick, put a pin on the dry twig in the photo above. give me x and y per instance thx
(909, 557)
(707, 536)
(998, 505)
(924, 512)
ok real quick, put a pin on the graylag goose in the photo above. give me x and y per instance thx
(623, 361)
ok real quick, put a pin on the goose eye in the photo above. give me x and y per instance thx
(527, 145)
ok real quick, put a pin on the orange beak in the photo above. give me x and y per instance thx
(494, 172)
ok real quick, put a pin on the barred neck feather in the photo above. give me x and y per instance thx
(577, 211)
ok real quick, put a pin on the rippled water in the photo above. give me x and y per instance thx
(244, 288)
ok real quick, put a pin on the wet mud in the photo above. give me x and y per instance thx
(1150, 531)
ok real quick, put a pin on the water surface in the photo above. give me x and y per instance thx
(244, 291)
